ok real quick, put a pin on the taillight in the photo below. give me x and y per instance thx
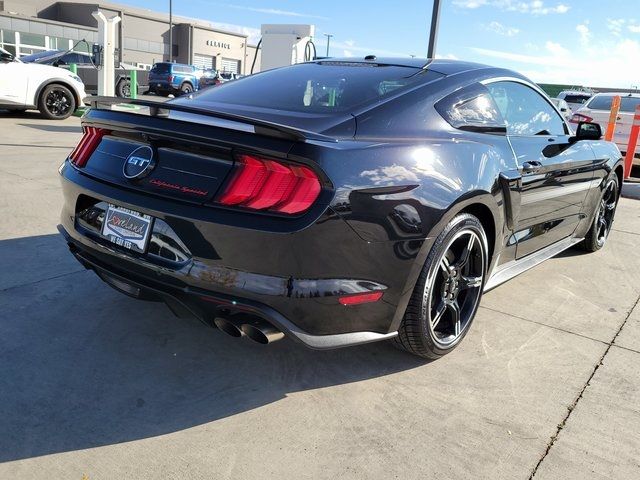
(170, 78)
(264, 184)
(578, 117)
(88, 143)
(360, 298)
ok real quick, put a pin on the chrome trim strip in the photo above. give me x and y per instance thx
(553, 192)
(516, 267)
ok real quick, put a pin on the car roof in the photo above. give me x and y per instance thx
(444, 66)
(622, 94)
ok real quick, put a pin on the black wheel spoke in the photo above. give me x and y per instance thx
(466, 252)
(470, 282)
(456, 320)
(439, 313)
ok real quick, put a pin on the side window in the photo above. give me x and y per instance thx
(472, 108)
(525, 111)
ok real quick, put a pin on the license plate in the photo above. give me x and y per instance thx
(127, 228)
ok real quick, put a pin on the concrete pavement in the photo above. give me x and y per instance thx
(545, 386)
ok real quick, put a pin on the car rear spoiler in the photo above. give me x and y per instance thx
(162, 109)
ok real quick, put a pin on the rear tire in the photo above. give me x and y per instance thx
(446, 297)
(603, 218)
(123, 88)
(56, 102)
(186, 89)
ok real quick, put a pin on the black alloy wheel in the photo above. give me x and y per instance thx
(56, 102)
(603, 219)
(448, 292)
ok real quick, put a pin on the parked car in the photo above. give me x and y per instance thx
(228, 76)
(563, 106)
(575, 98)
(88, 71)
(598, 110)
(285, 219)
(173, 78)
(210, 78)
(55, 92)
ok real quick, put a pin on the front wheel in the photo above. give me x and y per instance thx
(603, 219)
(446, 297)
(56, 102)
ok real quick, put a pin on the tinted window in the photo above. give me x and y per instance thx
(161, 68)
(318, 87)
(576, 98)
(525, 111)
(471, 108)
(603, 102)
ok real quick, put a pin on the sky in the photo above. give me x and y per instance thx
(577, 42)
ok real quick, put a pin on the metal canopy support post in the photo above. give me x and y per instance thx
(106, 38)
(433, 35)
(171, 31)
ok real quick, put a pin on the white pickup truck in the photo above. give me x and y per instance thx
(56, 92)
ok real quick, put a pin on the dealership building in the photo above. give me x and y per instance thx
(142, 36)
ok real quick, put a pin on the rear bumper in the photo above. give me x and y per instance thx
(293, 280)
(205, 304)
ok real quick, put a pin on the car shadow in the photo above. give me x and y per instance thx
(54, 128)
(84, 366)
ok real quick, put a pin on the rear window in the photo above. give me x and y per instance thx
(318, 87)
(576, 98)
(161, 68)
(603, 102)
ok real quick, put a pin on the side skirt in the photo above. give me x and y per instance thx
(516, 267)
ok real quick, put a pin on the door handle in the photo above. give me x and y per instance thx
(531, 167)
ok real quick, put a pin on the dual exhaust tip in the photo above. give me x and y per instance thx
(254, 328)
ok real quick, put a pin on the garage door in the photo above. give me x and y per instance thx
(203, 61)
(230, 66)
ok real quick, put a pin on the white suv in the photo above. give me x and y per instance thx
(598, 109)
(575, 98)
(56, 92)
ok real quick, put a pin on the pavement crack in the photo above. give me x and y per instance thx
(572, 407)
(36, 282)
(544, 325)
(625, 231)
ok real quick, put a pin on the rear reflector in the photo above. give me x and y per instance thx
(87, 145)
(359, 298)
(578, 117)
(264, 184)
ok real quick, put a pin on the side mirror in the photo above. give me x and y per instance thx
(588, 131)
(6, 57)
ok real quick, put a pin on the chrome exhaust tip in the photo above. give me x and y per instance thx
(228, 326)
(261, 332)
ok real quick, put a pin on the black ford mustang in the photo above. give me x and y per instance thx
(336, 202)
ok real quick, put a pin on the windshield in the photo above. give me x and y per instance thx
(317, 87)
(161, 68)
(603, 102)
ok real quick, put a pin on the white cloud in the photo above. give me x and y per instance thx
(534, 7)
(253, 34)
(634, 28)
(585, 34)
(347, 53)
(605, 64)
(615, 25)
(351, 43)
(272, 11)
(500, 29)
(556, 49)
(447, 56)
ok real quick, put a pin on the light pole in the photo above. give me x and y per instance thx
(328, 35)
(170, 30)
(433, 35)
